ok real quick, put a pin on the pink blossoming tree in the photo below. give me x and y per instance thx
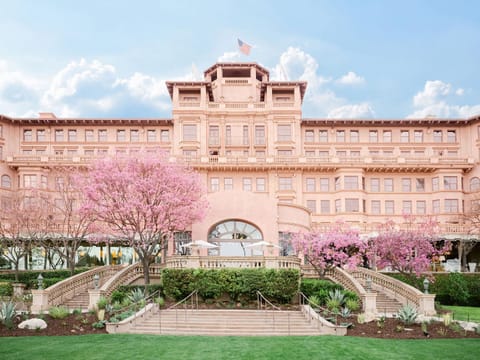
(339, 245)
(408, 248)
(142, 200)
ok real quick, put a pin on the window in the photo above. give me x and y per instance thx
(310, 153)
(59, 135)
(421, 207)
(312, 206)
(189, 153)
(437, 136)
(260, 184)
(309, 136)
(450, 182)
(214, 184)
(338, 205)
(102, 135)
(387, 136)
(436, 206)
(451, 205)
(134, 135)
(310, 184)
(406, 185)
(284, 152)
(420, 185)
(30, 181)
(337, 183)
(406, 207)
(89, 152)
(189, 132)
(389, 207)
(6, 182)
(435, 184)
(388, 185)
(323, 153)
(474, 184)
(27, 135)
(354, 136)
(247, 184)
(152, 135)
(164, 136)
(340, 135)
(41, 135)
(246, 136)
(284, 132)
(404, 136)
(72, 151)
(351, 182)
(375, 207)
(352, 205)
(72, 135)
(89, 135)
(213, 135)
(373, 136)
(324, 184)
(228, 184)
(374, 185)
(260, 154)
(418, 136)
(341, 153)
(259, 135)
(121, 136)
(323, 136)
(228, 135)
(451, 136)
(355, 153)
(44, 181)
(325, 206)
(285, 183)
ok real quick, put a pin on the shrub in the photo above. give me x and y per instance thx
(313, 286)
(407, 314)
(102, 303)
(118, 296)
(6, 289)
(314, 301)
(99, 324)
(58, 312)
(7, 313)
(352, 304)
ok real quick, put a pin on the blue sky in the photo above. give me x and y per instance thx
(363, 59)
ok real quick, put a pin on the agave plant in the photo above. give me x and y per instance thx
(7, 313)
(136, 296)
(335, 300)
(407, 314)
(314, 301)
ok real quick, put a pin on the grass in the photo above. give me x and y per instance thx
(466, 313)
(252, 348)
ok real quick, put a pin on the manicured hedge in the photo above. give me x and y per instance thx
(239, 284)
(450, 288)
(29, 278)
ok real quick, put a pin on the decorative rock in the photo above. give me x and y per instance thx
(33, 324)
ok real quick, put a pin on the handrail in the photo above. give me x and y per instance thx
(184, 300)
(408, 293)
(260, 297)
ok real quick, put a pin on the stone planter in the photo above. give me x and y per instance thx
(472, 266)
(18, 289)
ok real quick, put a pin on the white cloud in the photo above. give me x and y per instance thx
(351, 79)
(435, 100)
(320, 98)
(229, 56)
(354, 111)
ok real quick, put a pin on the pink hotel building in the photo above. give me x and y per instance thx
(268, 170)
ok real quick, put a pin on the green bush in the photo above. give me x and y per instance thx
(29, 278)
(239, 284)
(58, 312)
(6, 289)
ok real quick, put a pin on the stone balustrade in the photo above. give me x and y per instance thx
(66, 289)
(244, 262)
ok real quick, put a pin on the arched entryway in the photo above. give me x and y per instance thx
(232, 236)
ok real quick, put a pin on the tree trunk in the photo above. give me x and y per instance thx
(16, 270)
(146, 273)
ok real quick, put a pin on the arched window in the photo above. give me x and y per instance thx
(6, 181)
(233, 238)
(474, 184)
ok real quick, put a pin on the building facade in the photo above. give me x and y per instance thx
(267, 170)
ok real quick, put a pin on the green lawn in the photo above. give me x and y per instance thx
(250, 348)
(467, 313)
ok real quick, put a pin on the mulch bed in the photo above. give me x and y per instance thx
(81, 324)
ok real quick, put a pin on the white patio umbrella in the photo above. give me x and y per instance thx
(263, 245)
(201, 244)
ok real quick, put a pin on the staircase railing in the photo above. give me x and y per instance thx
(263, 303)
(402, 292)
(66, 289)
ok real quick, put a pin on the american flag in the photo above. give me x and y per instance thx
(244, 47)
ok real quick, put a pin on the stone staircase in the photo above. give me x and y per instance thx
(224, 323)
(79, 301)
(386, 304)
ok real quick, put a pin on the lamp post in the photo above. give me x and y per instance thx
(40, 282)
(96, 280)
(426, 283)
